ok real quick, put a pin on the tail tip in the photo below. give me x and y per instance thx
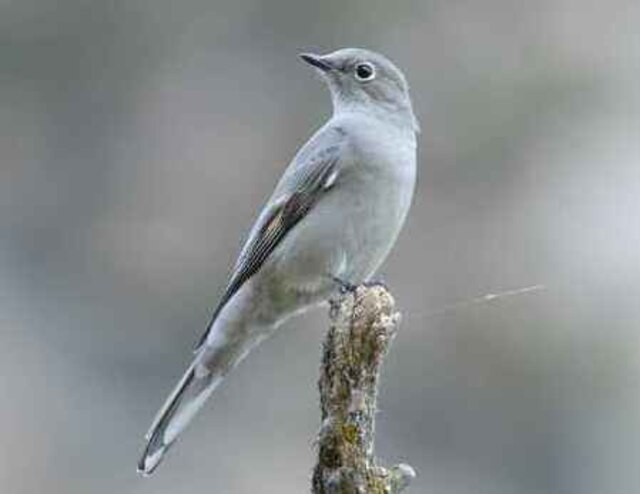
(149, 461)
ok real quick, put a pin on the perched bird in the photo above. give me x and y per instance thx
(332, 219)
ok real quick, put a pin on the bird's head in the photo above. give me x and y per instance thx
(363, 80)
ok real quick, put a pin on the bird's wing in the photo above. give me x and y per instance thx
(311, 175)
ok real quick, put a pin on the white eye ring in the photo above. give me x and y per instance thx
(365, 71)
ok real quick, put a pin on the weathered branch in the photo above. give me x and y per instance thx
(363, 324)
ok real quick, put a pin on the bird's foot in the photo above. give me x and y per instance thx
(344, 286)
(376, 282)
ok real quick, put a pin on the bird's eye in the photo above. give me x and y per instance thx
(365, 72)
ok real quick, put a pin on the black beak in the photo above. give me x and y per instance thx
(317, 61)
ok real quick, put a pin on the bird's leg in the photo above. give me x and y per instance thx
(345, 286)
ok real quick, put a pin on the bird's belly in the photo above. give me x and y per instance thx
(347, 235)
(372, 227)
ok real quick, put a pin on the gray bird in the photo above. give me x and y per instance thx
(332, 219)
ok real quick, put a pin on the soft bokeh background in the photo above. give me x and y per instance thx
(138, 138)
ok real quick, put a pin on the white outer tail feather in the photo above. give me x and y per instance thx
(187, 398)
(167, 404)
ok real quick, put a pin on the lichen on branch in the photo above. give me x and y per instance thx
(363, 324)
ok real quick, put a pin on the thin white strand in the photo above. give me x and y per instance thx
(488, 297)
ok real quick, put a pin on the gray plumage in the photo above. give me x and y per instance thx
(335, 214)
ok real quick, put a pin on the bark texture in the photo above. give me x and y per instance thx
(363, 324)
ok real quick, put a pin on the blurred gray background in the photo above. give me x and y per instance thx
(138, 139)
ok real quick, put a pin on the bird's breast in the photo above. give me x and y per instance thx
(351, 230)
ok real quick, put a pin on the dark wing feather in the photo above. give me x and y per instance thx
(308, 183)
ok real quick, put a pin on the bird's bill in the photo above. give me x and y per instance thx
(317, 61)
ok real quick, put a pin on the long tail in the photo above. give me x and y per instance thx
(182, 405)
